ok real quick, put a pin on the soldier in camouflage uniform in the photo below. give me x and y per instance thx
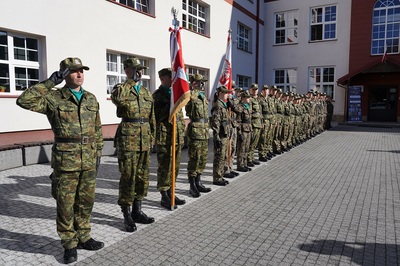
(244, 131)
(162, 104)
(220, 126)
(234, 98)
(265, 136)
(78, 142)
(256, 124)
(133, 141)
(197, 135)
(277, 145)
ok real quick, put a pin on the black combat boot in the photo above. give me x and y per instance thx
(200, 186)
(130, 226)
(193, 188)
(138, 215)
(178, 201)
(166, 200)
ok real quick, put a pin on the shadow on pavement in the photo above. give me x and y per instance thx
(380, 253)
(30, 243)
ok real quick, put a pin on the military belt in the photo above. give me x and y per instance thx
(203, 120)
(135, 120)
(246, 121)
(82, 140)
(265, 113)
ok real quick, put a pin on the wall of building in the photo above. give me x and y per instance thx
(88, 29)
(307, 54)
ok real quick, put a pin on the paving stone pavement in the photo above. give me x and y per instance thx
(334, 200)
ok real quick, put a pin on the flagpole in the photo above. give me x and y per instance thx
(173, 151)
(175, 23)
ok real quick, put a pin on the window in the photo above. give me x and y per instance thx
(19, 62)
(243, 82)
(286, 27)
(286, 79)
(194, 16)
(141, 5)
(243, 38)
(385, 27)
(323, 23)
(116, 73)
(322, 79)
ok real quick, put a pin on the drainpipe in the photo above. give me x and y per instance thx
(257, 39)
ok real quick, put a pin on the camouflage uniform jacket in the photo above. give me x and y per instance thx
(256, 112)
(197, 111)
(162, 103)
(234, 121)
(136, 135)
(76, 125)
(220, 120)
(244, 117)
(265, 107)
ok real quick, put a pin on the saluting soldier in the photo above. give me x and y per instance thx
(197, 135)
(221, 129)
(73, 113)
(133, 139)
(162, 103)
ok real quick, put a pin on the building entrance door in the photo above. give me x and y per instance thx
(382, 104)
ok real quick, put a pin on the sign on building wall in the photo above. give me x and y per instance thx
(354, 104)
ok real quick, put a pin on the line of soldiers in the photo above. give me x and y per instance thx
(272, 122)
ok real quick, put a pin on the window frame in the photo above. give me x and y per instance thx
(242, 39)
(28, 67)
(138, 5)
(198, 22)
(320, 84)
(385, 28)
(286, 86)
(323, 22)
(290, 27)
(119, 74)
(243, 82)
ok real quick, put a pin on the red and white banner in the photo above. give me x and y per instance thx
(180, 92)
(226, 72)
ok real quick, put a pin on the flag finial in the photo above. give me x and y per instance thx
(175, 21)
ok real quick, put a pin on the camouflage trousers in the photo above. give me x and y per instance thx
(134, 180)
(164, 170)
(74, 193)
(255, 138)
(263, 143)
(285, 131)
(278, 134)
(243, 145)
(220, 157)
(231, 151)
(197, 152)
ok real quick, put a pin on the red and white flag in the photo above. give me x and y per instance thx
(226, 72)
(180, 92)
